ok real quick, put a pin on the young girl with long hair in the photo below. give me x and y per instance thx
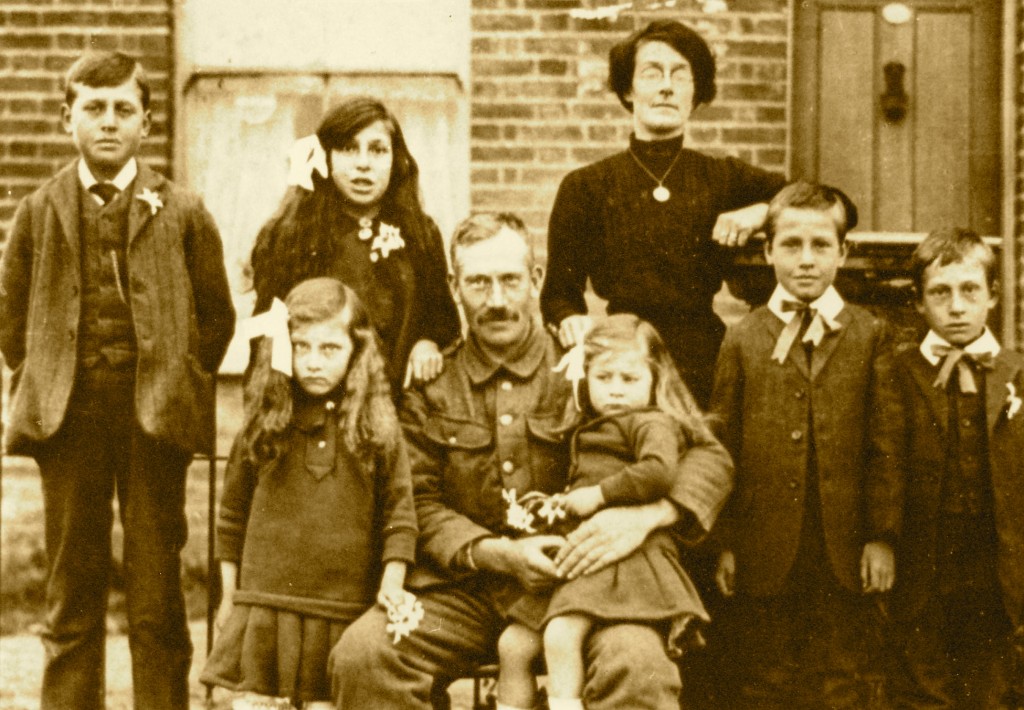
(361, 221)
(316, 520)
(634, 420)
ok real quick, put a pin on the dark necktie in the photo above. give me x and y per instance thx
(957, 358)
(106, 191)
(809, 328)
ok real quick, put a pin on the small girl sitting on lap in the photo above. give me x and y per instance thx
(636, 417)
(316, 519)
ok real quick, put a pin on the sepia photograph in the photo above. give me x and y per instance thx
(511, 354)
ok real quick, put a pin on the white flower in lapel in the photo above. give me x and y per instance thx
(1013, 402)
(152, 199)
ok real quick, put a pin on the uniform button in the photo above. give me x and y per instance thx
(321, 444)
(799, 394)
(797, 435)
(507, 467)
(505, 419)
(452, 440)
(506, 386)
(794, 485)
(966, 423)
(329, 406)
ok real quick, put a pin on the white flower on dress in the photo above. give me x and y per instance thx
(1013, 402)
(388, 239)
(152, 199)
(404, 618)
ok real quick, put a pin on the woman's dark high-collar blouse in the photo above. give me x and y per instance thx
(644, 256)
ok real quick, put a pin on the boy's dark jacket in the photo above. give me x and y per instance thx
(764, 409)
(178, 293)
(926, 416)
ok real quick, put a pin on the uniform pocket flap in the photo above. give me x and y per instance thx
(457, 433)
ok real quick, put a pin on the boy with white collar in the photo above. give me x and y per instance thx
(960, 592)
(114, 315)
(804, 399)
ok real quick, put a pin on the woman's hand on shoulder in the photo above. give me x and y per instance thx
(425, 363)
(734, 229)
(573, 329)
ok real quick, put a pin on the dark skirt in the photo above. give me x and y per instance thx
(649, 586)
(273, 652)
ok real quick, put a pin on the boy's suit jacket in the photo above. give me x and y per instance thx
(764, 410)
(178, 293)
(926, 411)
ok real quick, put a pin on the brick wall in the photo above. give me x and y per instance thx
(40, 39)
(540, 106)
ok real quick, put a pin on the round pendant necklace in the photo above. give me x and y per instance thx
(660, 193)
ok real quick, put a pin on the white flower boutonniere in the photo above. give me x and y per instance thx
(388, 239)
(1013, 402)
(152, 199)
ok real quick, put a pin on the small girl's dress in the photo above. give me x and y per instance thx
(312, 530)
(633, 457)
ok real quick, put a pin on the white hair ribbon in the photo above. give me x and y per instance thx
(305, 156)
(573, 365)
(273, 324)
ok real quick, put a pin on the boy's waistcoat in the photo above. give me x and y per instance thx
(766, 409)
(177, 291)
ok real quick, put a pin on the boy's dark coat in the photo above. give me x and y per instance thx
(926, 411)
(178, 293)
(764, 408)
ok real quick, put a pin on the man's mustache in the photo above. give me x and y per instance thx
(492, 315)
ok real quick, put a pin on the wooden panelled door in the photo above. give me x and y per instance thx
(898, 103)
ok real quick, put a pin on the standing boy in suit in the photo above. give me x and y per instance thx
(114, 315)
(960, 591)
(803, 395)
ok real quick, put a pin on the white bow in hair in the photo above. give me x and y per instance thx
(273, 324)
(305, 156)
(573, 363)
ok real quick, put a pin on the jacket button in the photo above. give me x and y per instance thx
(452, 440)
(505, 419)
(797, 435)
(794, 485)
(799, 394)
(508, 467)
(506, 386)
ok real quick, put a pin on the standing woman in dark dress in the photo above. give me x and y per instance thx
(651, 226)
(355, 215)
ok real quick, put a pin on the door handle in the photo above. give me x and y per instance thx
(894, 98)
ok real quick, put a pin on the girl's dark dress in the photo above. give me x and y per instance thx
(310, 534)
(406, 292)
(632, 456)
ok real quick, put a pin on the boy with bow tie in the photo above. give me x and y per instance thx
(114, 315)
(804, 399)
(960, 592)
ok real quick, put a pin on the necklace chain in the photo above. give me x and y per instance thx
(660, 190)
